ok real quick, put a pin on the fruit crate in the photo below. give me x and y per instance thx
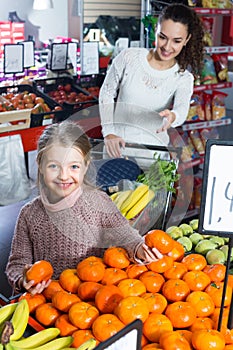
(37, 118)
(15, 120)
(66, 93)
(3, 300)
(91, 83)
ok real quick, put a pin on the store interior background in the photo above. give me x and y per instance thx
(44, 25)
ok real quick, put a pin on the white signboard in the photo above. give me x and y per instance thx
(90, 58)
(59, 56)
(216, 212)
(72, 55)
(13, 58)
(127, 338)
(29, 58)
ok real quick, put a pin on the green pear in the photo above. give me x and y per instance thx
(194, 224)
(186, 243)
(224, 249)
(215, 256)
(218, 240)
(204, 246)
(207, 236)
(174, 231)
(187, 229)
(195, 238)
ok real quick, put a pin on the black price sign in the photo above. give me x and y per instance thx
(216, 212)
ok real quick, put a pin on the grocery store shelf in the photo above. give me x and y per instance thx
(218, 49)
(206, 124)
(205, 87)
(213, 11)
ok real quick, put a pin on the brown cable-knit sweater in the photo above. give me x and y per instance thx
(68, 236)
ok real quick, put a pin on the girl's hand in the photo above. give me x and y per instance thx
(113, 144)
(28, 285)
(148, 254)
(168, 118)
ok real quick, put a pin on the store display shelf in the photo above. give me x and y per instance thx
(205, 87)
(206, 124)
(218, 49)
(213, 11)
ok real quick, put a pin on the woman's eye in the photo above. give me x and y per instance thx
(162, 37)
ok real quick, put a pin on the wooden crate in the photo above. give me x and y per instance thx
(15, 120)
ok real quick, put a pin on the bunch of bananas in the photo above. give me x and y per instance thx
(13, 323)
(132, 202)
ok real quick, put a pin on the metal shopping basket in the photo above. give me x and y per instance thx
(113, 175)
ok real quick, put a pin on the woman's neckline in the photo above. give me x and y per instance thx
(150, 58)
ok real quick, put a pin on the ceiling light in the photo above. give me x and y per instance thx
(42, 4)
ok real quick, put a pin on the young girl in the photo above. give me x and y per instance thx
(147, 81)
(71, 219)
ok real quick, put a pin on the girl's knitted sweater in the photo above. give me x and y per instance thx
(68, 236)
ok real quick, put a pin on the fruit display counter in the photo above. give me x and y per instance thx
(177, 298)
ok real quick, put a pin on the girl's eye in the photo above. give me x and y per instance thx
(52, 166)
(74, 166)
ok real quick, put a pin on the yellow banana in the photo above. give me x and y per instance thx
(7, 311)
(90, 344)
(56, 344)
(19, 319)
(134, 197)
(122, 196)
(37, 339)
(7, 347)
(114, 195)
(140, 205)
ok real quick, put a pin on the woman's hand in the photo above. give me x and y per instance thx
(168, 118)
(148, 254)
(113, 144)
(28, 285)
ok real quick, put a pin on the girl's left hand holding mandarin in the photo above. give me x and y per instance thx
(148, 254)
(168, 118)
(29, 285)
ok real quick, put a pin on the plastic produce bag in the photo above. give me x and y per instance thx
(14, 183)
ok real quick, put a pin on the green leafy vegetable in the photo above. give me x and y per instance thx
(161, 173)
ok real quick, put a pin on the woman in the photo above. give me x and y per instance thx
(159, 80)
